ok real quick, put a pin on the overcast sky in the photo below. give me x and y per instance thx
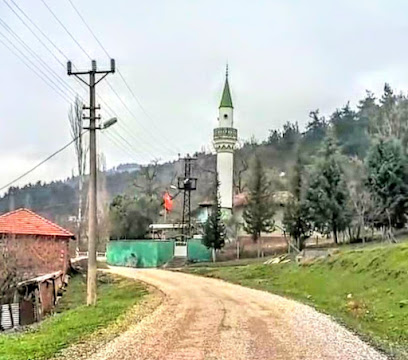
(286, 58)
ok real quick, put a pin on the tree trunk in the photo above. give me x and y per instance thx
(258, 243)
(237, 248)
(213, 255)
(334, 226)
(335, 236)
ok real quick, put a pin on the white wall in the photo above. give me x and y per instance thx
(225, 162)
(229, 120)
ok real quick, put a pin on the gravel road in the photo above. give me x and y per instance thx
(208, 319)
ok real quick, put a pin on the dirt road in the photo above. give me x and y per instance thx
(208, 319)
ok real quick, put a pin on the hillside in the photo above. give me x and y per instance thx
(59, 200)
(354, 130)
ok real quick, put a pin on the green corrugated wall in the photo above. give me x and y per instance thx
(197, 252)
(140, 253)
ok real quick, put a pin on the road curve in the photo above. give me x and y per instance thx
(208, 319)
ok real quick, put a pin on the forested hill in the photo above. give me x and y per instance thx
(355, 128)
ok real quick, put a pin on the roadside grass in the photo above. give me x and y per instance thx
(235, 262)
(73, 321)
(365, 289)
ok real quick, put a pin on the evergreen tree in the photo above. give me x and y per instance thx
(214, 229)
(327, 198)
(295, 220)
(315, 130)
(351, 132)
(258, 214)
(387, 179)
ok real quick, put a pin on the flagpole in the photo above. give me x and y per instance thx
(165, 222)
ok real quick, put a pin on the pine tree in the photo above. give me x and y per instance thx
(387, 178)
(327, 198)
(214, 229)
(295, 220)
(258, 214)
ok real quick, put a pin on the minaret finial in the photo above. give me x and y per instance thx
(226, 94)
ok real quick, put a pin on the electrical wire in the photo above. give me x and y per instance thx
(42, 162)
(121, 76)
(37, 27)
(157, 148)
(111, 87)
(35, 56)
(66, 30)
(22, 58)
(27, 48)
(112, 139)
(69, 88)
(62, 64)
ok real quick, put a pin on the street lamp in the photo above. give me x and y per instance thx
(109, 123)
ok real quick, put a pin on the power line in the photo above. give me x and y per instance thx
(134, 116)
(38, 28)
(42, 42)
(87, 54)
(39, 39)
(120, 74)
(35, 56)
(22, 57)
(111, 138)
(128, 131)
(25, 24)
(89, 28)
(131, 146)
(67, 31)
(27, 48)
(42, 162)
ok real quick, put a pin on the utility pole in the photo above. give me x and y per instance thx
(187, 184)
(93, 221)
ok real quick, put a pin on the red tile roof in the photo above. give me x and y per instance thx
(27, 222)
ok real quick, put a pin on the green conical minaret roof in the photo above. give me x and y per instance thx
(226, 100)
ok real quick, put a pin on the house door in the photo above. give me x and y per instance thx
(180, 249)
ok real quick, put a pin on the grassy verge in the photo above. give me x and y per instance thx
(74, 321)
(366, 289)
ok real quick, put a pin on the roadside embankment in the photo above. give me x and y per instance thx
(366, 289)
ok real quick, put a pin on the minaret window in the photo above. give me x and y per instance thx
(225, 116)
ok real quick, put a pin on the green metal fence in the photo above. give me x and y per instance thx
(152, 253)
(197, 252)
(140, 253)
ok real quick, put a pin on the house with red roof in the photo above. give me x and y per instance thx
(37, 245)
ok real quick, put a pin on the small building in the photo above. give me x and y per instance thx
(36, 245)
(204, 211)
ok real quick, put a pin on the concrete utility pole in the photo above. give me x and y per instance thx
(91, 281)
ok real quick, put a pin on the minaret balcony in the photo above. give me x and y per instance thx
(225, 133)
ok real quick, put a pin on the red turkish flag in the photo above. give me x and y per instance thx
(168, 202)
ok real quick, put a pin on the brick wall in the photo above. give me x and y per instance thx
(36, 256)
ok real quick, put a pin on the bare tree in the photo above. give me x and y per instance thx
(361, 201)
(9, 276)
(147, 179)
(241, 166)
(76, 124)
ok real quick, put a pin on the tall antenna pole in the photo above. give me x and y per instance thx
(187, 184)
(93, 220)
